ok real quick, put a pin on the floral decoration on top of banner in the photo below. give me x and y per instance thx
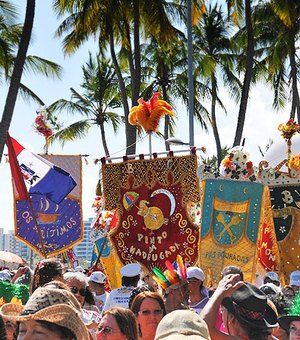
(235, 166)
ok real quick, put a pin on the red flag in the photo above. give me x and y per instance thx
(16, 173)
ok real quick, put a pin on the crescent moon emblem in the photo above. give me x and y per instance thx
(47, 205)
(170, 196)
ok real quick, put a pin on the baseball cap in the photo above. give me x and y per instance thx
(97, 277)
(180, 325)
(130, 270)
(195, 272)
(295, 278)
(272, 276)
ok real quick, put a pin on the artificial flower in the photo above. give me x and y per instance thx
(289, 129)
(148, 114)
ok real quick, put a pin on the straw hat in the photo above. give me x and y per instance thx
(54, 305)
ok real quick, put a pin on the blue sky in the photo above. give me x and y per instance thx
(261, 121)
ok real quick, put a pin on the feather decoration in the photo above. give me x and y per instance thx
(171, 276)
(181, 267)
(148, 114)
(169, 266)
(160, 282)
(160, 275)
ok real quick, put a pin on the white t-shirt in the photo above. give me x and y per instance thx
(118, 297)
(100, 300)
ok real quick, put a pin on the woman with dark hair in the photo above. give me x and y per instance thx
(118, 323)
(245, 311)
(149, 308)
(46, 271)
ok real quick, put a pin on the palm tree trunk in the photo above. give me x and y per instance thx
(103, 139)
(167, 118)
(17, 74)
(129, 129)
(247, 77)
(214, 122)
(295, 94)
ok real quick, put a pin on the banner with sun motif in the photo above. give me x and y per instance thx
(285, 201)
(153, 198)
(60, 226)
(233, 213)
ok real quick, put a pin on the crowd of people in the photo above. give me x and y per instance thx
(51, 302)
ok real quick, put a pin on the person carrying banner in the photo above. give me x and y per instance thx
(119, 297)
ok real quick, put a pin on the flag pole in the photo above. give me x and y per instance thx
(21, 187)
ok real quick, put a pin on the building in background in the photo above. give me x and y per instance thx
(84, 249)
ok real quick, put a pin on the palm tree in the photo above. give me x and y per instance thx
(165, 70)
(118, 25)
(99, 97)
(17, 73)
(278, 29)
(215, 61)
(12, 66)
(239, 6)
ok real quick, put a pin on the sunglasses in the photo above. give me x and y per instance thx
(81, 291)
(147, 312)
(105, 330)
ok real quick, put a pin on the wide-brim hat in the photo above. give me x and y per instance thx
(180, 325)
(284, 321)
(250, 306)
(54, 305)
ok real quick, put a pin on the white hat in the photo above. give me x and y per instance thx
(97, 277)
(195, 272)
(79, 269)
(272, 276)
(295, 278)
(181, 325)
(5, 275)
(130, 270)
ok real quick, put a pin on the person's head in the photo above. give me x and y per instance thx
(270, 289)
(271, 277)
(232, 270)
(46, 270)
(181, 325)
(288, 292)
(295, 280)
(148, 280)
(291, 322)
(50, 311)
(78, 283)
(248, 309)
(149, 309)
(138, 290)
(118, 324)
(96, 282)
(178, 293)
(130, 274)
(195, 278)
